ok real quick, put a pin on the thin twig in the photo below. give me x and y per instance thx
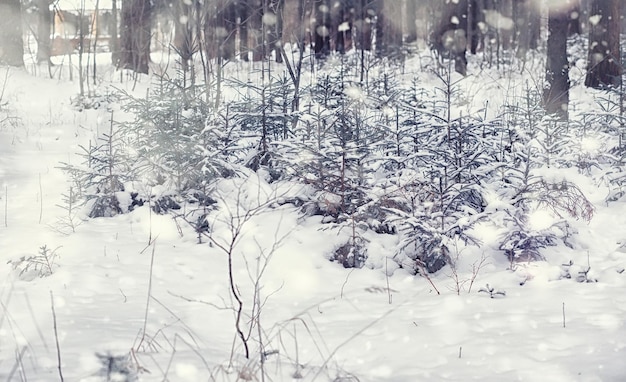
(387, 278)
(40, 200)
(345, 282)
(425, 274)
(6, 205)
(145, 318)
(56, 337)
(348, 340)
(18, 363)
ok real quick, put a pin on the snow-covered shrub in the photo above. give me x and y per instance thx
(581, 274)
(40, 265)
(603, 143)
(492, 291)
(445, 193)
(263, 114)
(173, 143)
(353, 252)
(117, 368)
(333, 154)
(532, 205)
(350, 255)
(102, 176)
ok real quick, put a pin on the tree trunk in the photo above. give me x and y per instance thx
(473, 31)
(556, 94)
(574, 18)
(506, 31)
(322, 29)
(363, 25)
(114, 28)
(243, 22)
(604, 63)
(136, 28)
(255, 29)
(275, 26)
(410, 21)
(527, 24)
(44, 28)
(11, 43)
(338, 35)
(389, 28)
(449, 37)
(184, 43)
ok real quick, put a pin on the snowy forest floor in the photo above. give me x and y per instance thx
(139, 290)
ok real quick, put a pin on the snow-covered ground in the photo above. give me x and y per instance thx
(138, 286)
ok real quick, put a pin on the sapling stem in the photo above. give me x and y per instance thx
(387, 277)
(40, 199)
(56, 337)
(145, 318)
(6, 205)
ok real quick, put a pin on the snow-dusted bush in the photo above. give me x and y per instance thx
(43, 264)
(175, 136)
(262, 114)
(531, 144)
(102, 176)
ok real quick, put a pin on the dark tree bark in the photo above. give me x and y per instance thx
(44, 28)
(275, 27)
(389, 27)
(339, 38)
(136, 28)
(322, 29)
(11, 43)
(556, 94)
(473, 18)
(184, 42)
(363, 25)
(410, 20)
(255, 29)
(506, 32)
(114, 28)
(604, 63)
(449, 37)
(242, 26)
(574, 18)
(527, 24)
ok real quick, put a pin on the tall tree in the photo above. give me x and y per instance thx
(136, 33)
(274, 25)
(363, 24)
(113, 27)
(254, 23)
(184, 42)
(11, 42)
(604, 64)
(410, 20)
(556, 93)
(323, 27)
(389, 27)
(449, 36)
(527, 24)
(44, 28)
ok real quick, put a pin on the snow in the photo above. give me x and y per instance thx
(321, 321)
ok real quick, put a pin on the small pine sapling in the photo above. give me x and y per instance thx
(40, 265)
(106, 167)
(116, 367)
(493, 292)
(353, 253)
(72, 204)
